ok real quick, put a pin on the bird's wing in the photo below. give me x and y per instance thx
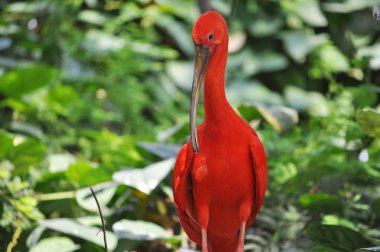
(183, 193)
(260, 172)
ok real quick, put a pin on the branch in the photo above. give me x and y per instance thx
(101, 218)
(15, 237)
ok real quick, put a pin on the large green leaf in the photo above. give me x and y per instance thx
(56, 244)
(369, 120)
(104, 193)
(139, 230)
(25, 79)
(70, 227)
(84, 174)
(145, 179)
(336, 237)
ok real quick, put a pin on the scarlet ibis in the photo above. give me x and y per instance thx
(220, 175)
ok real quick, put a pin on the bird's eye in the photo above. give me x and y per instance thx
(211, 36)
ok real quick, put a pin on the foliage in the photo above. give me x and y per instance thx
(95, 93)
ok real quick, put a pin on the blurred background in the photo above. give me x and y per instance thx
(96, 93)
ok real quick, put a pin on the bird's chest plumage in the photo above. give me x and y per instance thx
(222, 169)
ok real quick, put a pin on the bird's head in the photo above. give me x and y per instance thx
(209, 31)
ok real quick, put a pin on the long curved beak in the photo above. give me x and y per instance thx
(202, 57)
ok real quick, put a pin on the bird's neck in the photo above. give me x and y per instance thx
(215, 101)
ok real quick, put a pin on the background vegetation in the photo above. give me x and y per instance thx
(95, 93)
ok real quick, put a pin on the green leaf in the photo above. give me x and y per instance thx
(60, 162)
(27, 206)
(328, 59)
(373, 53)
(28, 153)
(98, 42)
(323, 203)
(181, 73)
(62, 98)
(146, 179)
(138, 230)
(264, 25)
(56, 244)
(336, 237)
(92, 17)
(248, 91)
(163, 151)
(6, 141)
(369, 121)
(26, 129)
(104, 193)
(84, 174)
(348, 6)
(376, 249)
(279, 117)
(320, 248)
(25, 80)
(70, 227)
(313, 102)
(24, 7)
(177, 32)
(299, 44)
(313, 16)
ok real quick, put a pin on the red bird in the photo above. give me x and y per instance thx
(220, 175)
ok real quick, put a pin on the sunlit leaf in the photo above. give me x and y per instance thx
(138, 230)
(100, 42)
(92, 17)
(336, 220)
(162, 150)
(60, 162)
(70, 227)
(24, 7)
(145, 179)
(56, 244)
